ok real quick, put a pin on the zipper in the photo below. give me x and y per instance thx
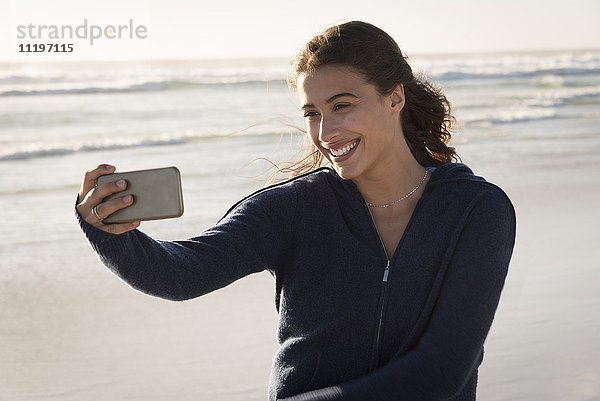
(387, 257)
(386, 273)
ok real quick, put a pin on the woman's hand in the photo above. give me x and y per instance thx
(93, 210)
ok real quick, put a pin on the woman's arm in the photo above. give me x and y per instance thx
(249, 239)
(449, 350)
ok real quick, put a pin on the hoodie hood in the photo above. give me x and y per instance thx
(452, 172)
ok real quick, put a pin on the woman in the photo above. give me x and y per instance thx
(388, 266)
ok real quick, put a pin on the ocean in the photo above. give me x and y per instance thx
(50, 110)
(223, 123)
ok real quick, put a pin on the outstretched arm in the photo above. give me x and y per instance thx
(447, 354)
(249, 239)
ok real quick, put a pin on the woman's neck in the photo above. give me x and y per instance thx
(394, 183)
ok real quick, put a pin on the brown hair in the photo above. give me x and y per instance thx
(426, 117)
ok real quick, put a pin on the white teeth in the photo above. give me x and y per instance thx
(343, 151)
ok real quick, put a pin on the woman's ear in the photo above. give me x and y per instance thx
(397, 97)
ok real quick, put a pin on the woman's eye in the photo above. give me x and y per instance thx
(310, 114)
(339, 106)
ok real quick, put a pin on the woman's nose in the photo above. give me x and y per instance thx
(328, 129)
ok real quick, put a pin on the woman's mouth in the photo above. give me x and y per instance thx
(340, 153)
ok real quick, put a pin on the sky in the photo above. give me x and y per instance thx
(197, 29)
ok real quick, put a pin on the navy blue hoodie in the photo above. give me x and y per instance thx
(352, 325)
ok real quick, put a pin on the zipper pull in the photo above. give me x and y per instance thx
(386, 272)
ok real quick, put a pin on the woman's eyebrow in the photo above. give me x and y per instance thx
(331, 99)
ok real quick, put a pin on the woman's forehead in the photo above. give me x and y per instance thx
(329, 80)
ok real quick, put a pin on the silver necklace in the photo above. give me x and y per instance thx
(402, 198)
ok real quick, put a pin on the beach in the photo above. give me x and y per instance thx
(71, 330)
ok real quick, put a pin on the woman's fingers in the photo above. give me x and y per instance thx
(90, 177)
(98, 213)
(105, 209)
(91, 206)
(98, 193)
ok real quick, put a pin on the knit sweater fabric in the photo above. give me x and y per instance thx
(353, 325)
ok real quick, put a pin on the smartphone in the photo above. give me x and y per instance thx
(157, 194)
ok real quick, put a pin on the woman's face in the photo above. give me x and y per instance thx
(356, 128)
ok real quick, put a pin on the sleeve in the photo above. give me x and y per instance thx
(250, 238)
(449, 351)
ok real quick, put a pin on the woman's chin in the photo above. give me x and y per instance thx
(344, 172)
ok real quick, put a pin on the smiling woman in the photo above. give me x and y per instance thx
(388, 267)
